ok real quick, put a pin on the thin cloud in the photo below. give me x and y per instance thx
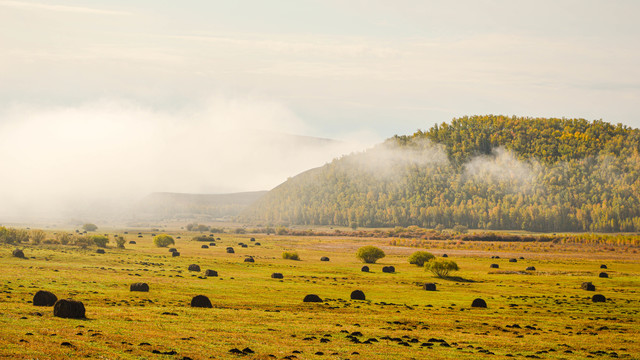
(60, 8)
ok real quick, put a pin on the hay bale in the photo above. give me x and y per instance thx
(230, 250)
(603, 266)
(252, 239)
(132, 242)
(357, 295)
(429, 287)
(445, 255)
(494, 266)
(142, 287)
(173, 250)
(588, 286)
(201, 301)
(365, 269)
(44, 298)
(204, 246)
(100, 251)
(244, 245)
(249, 259)
(324, 258)
(212, 244)
(18, 253)
(521, 257)
(598, 298)
(277, 276)
(69, 309)
(194, 267)
(312, 298)
(258, 244)
(175, 253)
(211, 273)
(513, 260)
(388, 269)
(603, 275)
(531, 268)
(479, 303)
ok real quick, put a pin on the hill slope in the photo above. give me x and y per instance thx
(489, 172)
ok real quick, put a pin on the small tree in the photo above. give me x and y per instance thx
(100, 240)
(441, 267)
(420, 257)
(290, 255)
(370, 254)
(163, 240)
(89, 227)
(120, 242)
(37, 236)
(64, 238)
(461, 229)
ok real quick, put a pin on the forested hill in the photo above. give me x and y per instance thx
(488, 172)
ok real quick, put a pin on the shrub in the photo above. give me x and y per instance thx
(201, 238)
(163, 240)
(37, 236)
(100, 240)
(370, 254)
(420, 257)
(63, 238)
(89, 227)
(120, 242)
(441, 267)
(461, 229)
(290, 255)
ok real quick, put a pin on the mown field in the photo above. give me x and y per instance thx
(533, 314)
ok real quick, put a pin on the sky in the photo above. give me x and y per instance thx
(98, 88)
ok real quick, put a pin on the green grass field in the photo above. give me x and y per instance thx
(536, 314)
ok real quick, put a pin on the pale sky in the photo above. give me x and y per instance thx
(123, 88)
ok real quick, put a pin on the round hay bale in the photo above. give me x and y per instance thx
(201, 301)
(204, 246)
(603, 275)
(44, 298)
(588, 286)
(252, 239)
(175, 253)
(324, 258)
(244, 245)
(69, 309)
(249, 259)
(357, 295)
(18, 253)
(430, 287)
(100, 251)
(445, 255)
(212, 244)
(139, 236)
(388, 269)
(365, 269)
(211, 273)
(513, 260)
(173, 250)
(312, 298)
(258, 244)
(142, 287)
(132, 242)
(603, 266)
(494, 266)
(230, 250)
(277, 276)
(531, 268)
(194, 267)
(521, 257)
(598, 298)
(479, 303)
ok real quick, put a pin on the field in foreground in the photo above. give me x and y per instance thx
(535, 314)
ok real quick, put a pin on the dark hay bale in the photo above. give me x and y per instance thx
(312, 298)
(212, 244)
(249, 259)
(210, 273)
(277, 276)
(175, 253)
(513, 260)
(365, 269)
(603, 266)
(445, 255)
(194, 267)
(230, 250)
(143, 287)
(479, 303)
(173, 250)
(388, 269)
(494, 266)
(603, 275)
(204, 246)
(244, 245)
(18, 253)
(240, 243)
(258, 244)
(430, 287)
(598, 298)
(139, 236)
(69, 309)
(588, 286)
(531, 268)
(44, 298)
(324, 258)
(132, 242)
(357, 295)
(100, 251)
(252, 239)
(201, 301)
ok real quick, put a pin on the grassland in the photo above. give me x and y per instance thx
(536, 314)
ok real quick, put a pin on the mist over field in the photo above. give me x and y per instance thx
(97, 159)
